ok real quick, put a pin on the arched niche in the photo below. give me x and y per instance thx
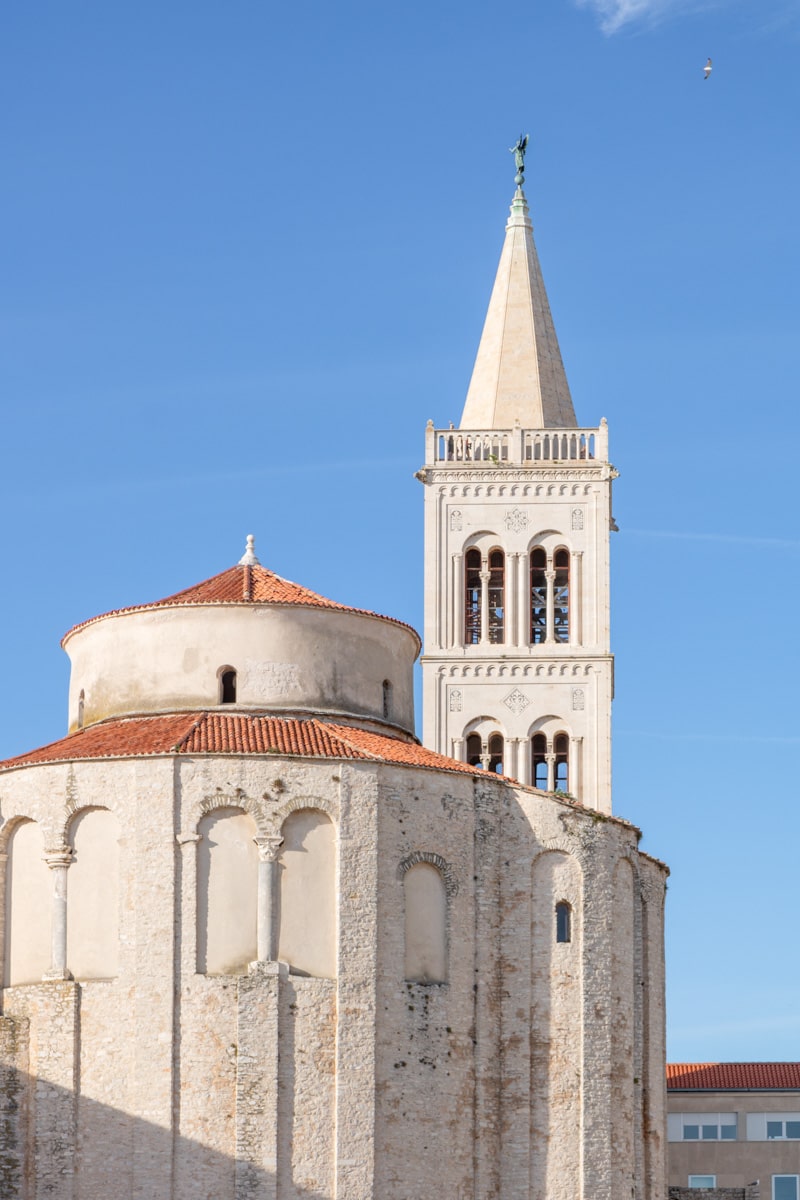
(29, 903)
(227, 892)
(93, 895)
(425, 896)
(307, 900)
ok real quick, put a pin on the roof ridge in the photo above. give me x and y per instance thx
(195, 725)
(330, 726)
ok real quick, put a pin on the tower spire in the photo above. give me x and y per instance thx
(518, 377)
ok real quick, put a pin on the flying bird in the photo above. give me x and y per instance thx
(707, 69)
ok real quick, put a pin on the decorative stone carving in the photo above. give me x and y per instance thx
(456, 522)
(280, 679)
(577, 518)
(455, 700)
(577, 699)
(516, 520)
(516, 701)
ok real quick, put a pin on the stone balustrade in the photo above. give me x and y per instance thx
(517, 447)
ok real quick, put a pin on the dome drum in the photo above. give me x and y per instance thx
(285, 658)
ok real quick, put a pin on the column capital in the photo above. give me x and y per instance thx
(268, 847)
(58, 856)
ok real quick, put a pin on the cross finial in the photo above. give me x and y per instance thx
(249, 559)
(519, 158)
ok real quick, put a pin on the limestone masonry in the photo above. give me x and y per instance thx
(259, 944)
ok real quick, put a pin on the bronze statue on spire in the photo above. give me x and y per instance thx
(519, 158)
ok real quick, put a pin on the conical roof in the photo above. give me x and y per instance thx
(519, 377)
(246, 583)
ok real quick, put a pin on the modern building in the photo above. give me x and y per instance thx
(258, 942)
(731, 1124)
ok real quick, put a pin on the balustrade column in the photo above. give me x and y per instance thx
(550, 629)
(484, 607)
(58, 860)
(576, 600)
(266, 931)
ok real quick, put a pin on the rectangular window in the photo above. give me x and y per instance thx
(784, 1187)
(785, 1130)
(702, 1181)
(702, 1127)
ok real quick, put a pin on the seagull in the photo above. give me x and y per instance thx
(707, 69)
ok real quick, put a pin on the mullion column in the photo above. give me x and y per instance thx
(58, 861)
(484, 606)
(550, 631)
(510, 600)
(456, 636)
(575, 755)
(523, 613)
(551, 769)
(576, 599)
(266, 931)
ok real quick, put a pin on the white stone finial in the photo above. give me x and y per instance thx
(249, 559)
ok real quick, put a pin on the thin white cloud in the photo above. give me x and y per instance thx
(769, 16)
(614, 14)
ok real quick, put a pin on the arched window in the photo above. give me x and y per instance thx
(496, 753)
(538, 596)
(426, 924)
(563, 922)
(227, 890)
(474, 750)
(561, 596)
(227, 686)
(472, 597)
(306, 914)
(29, 903)
(561, 766)
(539, 772)
(93, 895)
(387, 699)
(497, 571)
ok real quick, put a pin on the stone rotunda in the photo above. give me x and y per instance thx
(258, 942)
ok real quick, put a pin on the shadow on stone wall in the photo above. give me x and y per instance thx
(115, 1154)
(751, 1192)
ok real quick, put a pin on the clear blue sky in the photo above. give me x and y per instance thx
(247, 253)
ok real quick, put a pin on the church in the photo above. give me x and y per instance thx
(259, 943)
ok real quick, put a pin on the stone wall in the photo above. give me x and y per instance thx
(166, 1082)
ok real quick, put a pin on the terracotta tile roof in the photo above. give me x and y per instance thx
(234, 733)
(242, 585)
(755, 1076)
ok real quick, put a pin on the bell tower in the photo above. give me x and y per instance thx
(517, 667)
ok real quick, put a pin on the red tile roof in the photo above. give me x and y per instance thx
(242, 585)
(755, 1076)
(234, 733)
